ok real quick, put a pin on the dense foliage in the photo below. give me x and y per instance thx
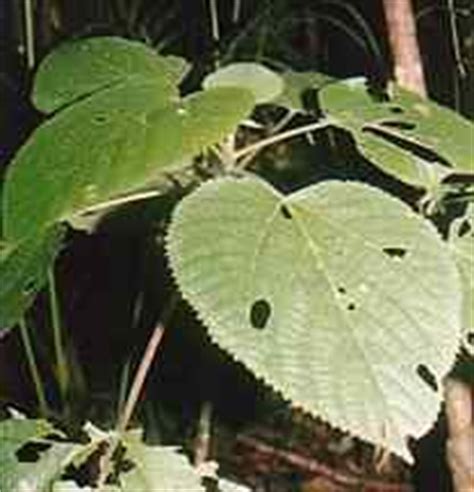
(349, 301)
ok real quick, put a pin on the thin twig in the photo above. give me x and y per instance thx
(309, 465)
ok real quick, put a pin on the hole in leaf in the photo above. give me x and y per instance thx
(394, 252)
(285, 211)
(465, 229)
(260, 313)
(341, 290)
(29, 287)
(351, 306)
(427, 376)
(31, 451)
(425, 153)
(458, 179)
(470, 338)
(396, 109)
(100, 118)
(401, 125)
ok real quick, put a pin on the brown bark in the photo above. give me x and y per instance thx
(401, 26)
(460, 445)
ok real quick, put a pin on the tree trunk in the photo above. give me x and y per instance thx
(401, 26)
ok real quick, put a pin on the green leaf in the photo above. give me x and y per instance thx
(157, 468)
(297, 86)
(387, 132)
(461, 239)
(337, 295)
(108, 145)
(264, 84)
(15, 433)
(84, 67)
(23, 272)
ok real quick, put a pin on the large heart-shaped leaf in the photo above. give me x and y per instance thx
(110, 144)
(339, 296)
(397, 134)
(23, 271)
(461, 238)
(84, 67)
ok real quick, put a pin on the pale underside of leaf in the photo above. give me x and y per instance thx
(157, 468)
(411, 138)
(355, 293)
(461, 239)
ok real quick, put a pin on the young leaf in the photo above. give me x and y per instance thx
(84, 67)
(110, 144)
(157, 468)
(461, 238)
(264, 84)
(388, 133)
(23, 271)
(300, 85)
(338, 295)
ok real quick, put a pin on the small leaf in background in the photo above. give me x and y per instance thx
(300, 88)
(108, 145)
(339, 296)
(157, 468)
(264, 84)
(84, 67)
(395, 134)
(23, 272)
(461, 239)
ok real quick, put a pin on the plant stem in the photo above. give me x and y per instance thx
(61, 361)
(121, 200)
(203, 437)
(215, 28)
(278, 126)
(33, 366)
(257, 146)
(29, 33)
(144, 367)
(136, 388)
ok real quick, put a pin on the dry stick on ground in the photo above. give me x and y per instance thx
(459, 397)
(309, 465)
